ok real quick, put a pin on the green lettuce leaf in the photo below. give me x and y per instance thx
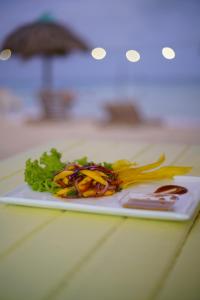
(82, 161)
(107, 165)
(39, 173)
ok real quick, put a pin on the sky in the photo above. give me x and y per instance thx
(116, 25)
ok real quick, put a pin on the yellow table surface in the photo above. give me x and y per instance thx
(52, 254)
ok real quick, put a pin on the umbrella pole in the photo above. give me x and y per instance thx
(46, 99)
(47, 73)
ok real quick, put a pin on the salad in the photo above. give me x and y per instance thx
(83, 178)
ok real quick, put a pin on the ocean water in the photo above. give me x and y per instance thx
(173, 103)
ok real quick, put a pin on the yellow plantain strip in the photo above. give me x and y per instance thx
(122, 164)
(162, 173)
(152, 165)
(128, 173)
(167, 171)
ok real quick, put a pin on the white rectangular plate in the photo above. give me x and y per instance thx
(183, 210)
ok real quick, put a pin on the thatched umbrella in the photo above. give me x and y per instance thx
(45, 38)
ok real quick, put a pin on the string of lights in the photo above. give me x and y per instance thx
(100, 53)
(132, 55)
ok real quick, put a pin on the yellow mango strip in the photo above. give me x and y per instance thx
(71, 168)
(94, 175)
(63, 192)
(109, 193)
(89, 193)
(66, 180)
(85, 181)
(101, 173)
(84, 184)
(62, 175)
(122, 164)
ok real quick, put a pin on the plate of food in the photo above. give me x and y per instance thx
(121, 188)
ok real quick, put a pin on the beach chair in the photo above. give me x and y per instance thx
(56, 104)
(123, 113)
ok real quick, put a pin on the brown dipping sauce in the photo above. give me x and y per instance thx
(171, 189)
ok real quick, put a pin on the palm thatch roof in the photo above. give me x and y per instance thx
(45, 38)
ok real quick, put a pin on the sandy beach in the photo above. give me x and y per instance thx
(21, 136)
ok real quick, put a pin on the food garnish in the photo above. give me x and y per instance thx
(83, 178)
(39, 173)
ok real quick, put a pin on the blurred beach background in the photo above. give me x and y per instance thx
(164, 90)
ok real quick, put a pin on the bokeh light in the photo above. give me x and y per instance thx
(5, 54)
(98, 53)
(132, 55)
(168, 53)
